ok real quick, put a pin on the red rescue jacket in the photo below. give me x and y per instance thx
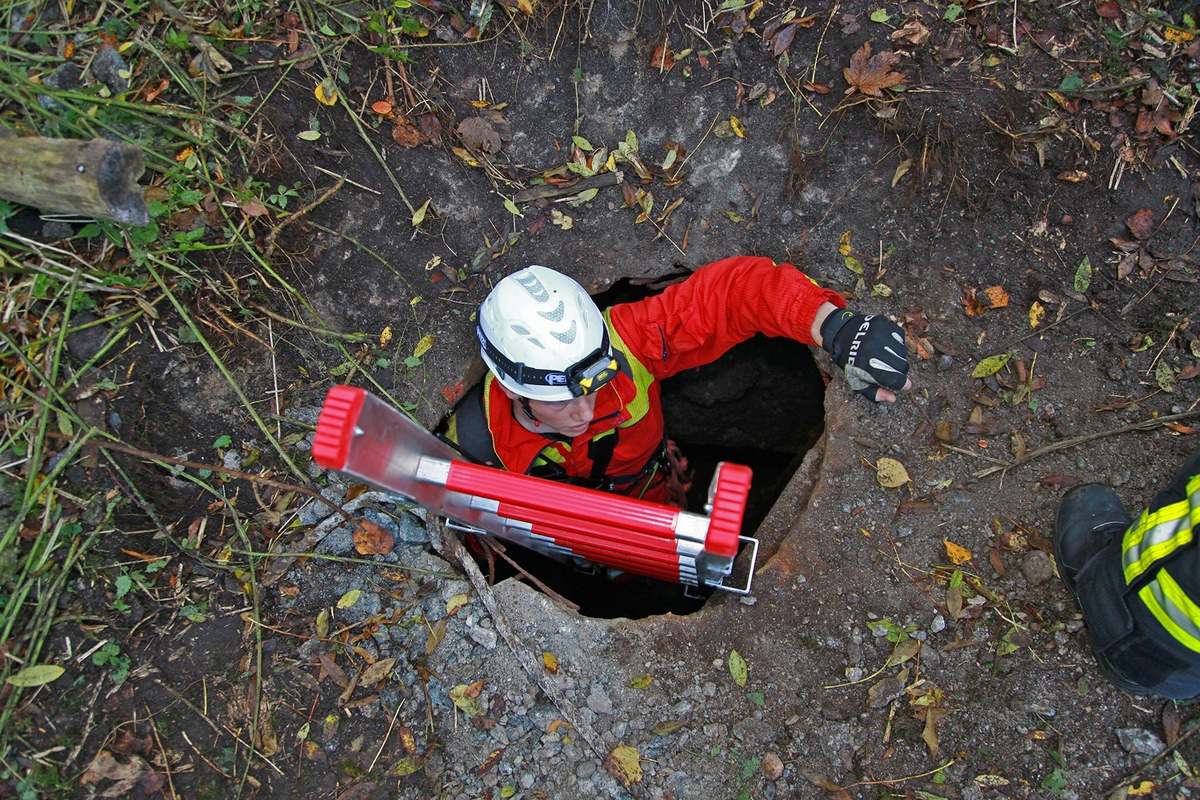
(689, 324)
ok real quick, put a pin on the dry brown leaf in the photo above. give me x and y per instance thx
(377, 672)
(405, 133)
(479, 134)
(871, 74)
(1141, 224)
(371, 539)
(662, 60)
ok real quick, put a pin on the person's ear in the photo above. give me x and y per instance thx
(510, 394)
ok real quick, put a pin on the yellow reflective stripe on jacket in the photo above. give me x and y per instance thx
(1158, 535)
(642, 377)
(1171, 606)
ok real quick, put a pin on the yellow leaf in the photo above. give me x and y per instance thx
(326, 92)
(624, 764)
(467, 704)
(737, 667)
(323, 624)
(419, 215)
(901, 170)
(1143, 789)
(1175, 36)
(385, 337)
(738, 127)
(957, 553)
(891, 473)
(990, 366)
(37, 675)
(455, 603)
(349, 598)
(844, 247)
(550, 661)
(1037, 312)
(424, 345)
(405, 766)
(641, 682)
(525, 6)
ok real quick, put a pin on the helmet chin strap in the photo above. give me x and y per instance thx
(537, 423)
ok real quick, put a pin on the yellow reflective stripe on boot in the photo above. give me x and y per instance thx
(1157, 535)
(1171, 606)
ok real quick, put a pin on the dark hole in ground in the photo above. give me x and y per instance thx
(761, 404)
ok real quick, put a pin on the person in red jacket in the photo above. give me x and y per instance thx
(573, 393)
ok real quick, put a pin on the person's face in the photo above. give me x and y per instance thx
(569, 418)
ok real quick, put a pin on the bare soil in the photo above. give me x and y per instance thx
(881, 661)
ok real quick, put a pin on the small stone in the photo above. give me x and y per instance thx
(1139, 742)
(483, 636)
(598, 701)
(772, 766)
(1038, 567)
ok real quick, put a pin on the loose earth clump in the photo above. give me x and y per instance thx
(334, 189)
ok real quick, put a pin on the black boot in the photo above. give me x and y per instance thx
(1088, 518)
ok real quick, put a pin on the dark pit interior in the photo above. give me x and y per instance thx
(761, 404)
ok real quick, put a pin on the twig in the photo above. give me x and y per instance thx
(179, 462)
(562, 190)
(1144, 425)
(166, 756)
(1157, 757)
(1037, 332)
(383, 744)
(495, 547)
(812, 77)
(300, 212)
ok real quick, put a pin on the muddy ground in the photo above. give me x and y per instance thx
(880, 660)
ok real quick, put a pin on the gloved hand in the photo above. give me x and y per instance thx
(869, 348)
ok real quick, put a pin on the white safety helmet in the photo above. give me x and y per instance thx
(542, 336)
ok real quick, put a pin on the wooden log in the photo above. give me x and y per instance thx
(96, 178)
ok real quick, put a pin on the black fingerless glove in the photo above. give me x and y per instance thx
(869, 348)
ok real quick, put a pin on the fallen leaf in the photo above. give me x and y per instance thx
(929, 734)
(381, 107)
(913, 32)
(904, 650)
(405, 133)
(479, 134)
(890, 473)
(1059, 482)
(1141, 224)
(550, 661)
(1037, 312)
(492, 760)
(349, 598)
(997, 297)
(465, 702)
(455, 603)
(437, 632)
(667, 728)
(1083, 275)
(377, 672)
(738, 128)
(1073, 176)
(37, 675)
(957, 553)
(405, 766)
(640, 682)
(624, 764)
(424, 345)
(991, 780)
(887, 690)
(871, 74)
(372, 539)
(326, 92)
(738, 667)
(990, 365)
(662, 60)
